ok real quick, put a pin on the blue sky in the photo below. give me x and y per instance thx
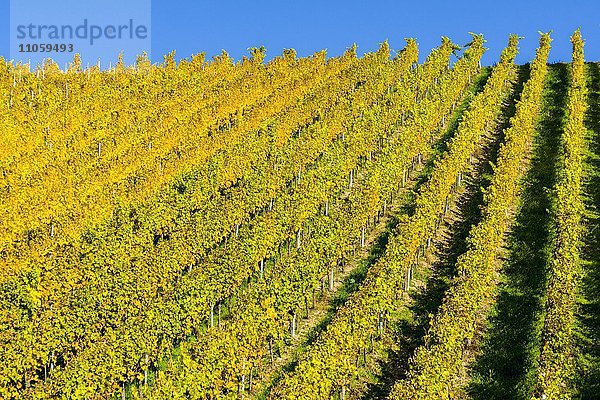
(195, 26)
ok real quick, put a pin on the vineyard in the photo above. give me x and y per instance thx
(302, 228)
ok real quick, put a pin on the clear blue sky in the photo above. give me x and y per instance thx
(195, 26)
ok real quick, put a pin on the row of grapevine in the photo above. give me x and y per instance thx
(140, 298)
(148, 154)
(182, 308)
(48, 88)
(45, 273)
(52, 290)
(557, 361)
(124, 125)
(199, 229)
(360, 324)
(435, 369)
(241, 347)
